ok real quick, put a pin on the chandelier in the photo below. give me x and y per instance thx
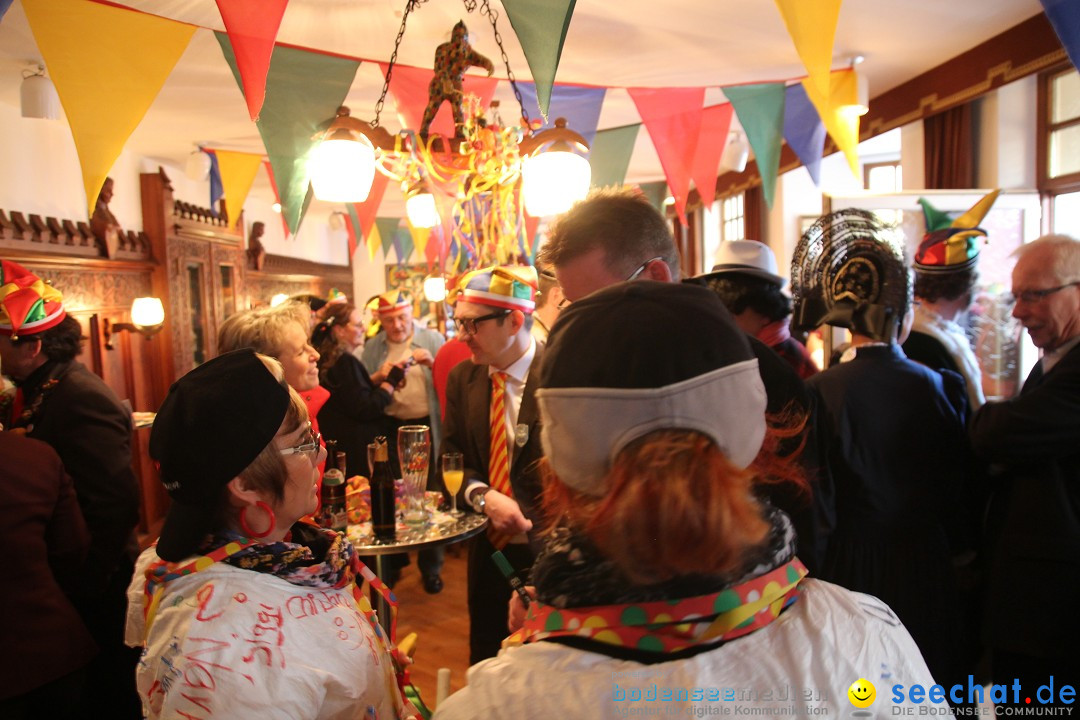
(477, 183)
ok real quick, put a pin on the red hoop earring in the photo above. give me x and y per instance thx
(247, 528)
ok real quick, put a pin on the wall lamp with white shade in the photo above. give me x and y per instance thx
(38, 94)
(147, 318)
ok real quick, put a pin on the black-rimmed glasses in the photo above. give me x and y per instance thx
(1034, 296)
(468, 325)
(310, 445)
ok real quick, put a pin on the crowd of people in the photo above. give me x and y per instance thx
(695, 504)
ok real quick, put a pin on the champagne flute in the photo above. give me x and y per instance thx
(453, 472)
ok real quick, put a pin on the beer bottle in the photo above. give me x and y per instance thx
(333, 514)
(383, 519)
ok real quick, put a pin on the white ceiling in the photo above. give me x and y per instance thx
(614, 44)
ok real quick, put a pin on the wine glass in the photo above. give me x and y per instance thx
(453, 472)
(414, 444)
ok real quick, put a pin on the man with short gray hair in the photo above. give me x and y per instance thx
(1035, 515)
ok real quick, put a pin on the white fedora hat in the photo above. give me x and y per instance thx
(748, 257)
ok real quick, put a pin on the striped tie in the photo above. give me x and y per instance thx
(498, 457)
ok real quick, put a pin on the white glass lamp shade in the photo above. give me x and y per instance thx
(147, 312)
(435, 288)
(38, 98)
(735, 155)
(198, 166)
(343, 170)
(421, 210)
(552, 181)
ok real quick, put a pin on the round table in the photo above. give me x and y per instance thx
(442, 529)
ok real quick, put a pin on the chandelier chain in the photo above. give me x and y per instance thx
(409, 7)
(493, 15)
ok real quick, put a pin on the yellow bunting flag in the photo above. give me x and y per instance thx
(237, 174)
(373, 240)
(836, 112)
(812, 26)
(108, 65)
(420, 237)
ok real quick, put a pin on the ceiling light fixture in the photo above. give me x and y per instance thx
(735, 154)
(480, 170)
(37, 95)
(861, 105)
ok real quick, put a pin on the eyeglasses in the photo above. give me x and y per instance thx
(1034, 296)
(468, 325)
(633, 276)
(310, 446)
(641, 268)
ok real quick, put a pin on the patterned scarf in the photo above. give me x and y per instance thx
(581, 594)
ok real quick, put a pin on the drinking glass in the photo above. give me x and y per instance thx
(414, 446)
(453, 472)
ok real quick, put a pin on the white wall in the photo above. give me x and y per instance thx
(1007, 136)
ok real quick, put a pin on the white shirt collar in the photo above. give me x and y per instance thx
(519, 369)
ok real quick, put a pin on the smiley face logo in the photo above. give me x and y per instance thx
(862, 693)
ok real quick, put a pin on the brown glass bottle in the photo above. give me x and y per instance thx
(383, 516)
(333, 513)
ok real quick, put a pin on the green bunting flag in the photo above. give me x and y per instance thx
(541, 27)
(761, 113)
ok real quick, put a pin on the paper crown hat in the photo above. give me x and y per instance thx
(394, 300)
(503, 286)
(27, 303)
(951, 245)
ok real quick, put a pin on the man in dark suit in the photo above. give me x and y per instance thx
(59, 401)
(493, 421)
(1035, 515)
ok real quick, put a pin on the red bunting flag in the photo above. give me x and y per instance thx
(715, 123)
(252, 26)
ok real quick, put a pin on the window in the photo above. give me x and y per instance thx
(883, 177)
(732, 218)
(1059, 147)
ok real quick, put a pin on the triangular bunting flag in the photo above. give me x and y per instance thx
(409, 88)
(387, 230)
(532, 236)
(803, 130)
(277, 196)
(715, 123)
(610, 155)
(540, 26)
(420, 237)
(352, 225)
(673, 119)
(403, 244)
(655, 193)
(252, 26)
(579, 105)
(761, 113)
(1064, 16)
(367, 210)
(237, 174)
(812, 26)
(303, 92)
(104, 57)
(843, 126)
(217, 190)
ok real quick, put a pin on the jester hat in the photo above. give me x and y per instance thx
(951, 245)
(27, 303)
(503, 286)
(394, 300)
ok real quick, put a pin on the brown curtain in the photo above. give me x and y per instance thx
(950, 149)
(754, 214)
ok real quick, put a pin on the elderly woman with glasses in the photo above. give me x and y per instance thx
(668, 585)
(243, 610)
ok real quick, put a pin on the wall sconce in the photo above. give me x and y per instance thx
(735, 155)
(38, 94)
(147, 318)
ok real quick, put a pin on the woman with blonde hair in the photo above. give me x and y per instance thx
(244, 610)
(667, 579)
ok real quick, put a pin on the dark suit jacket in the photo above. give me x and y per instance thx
(40, 524)
(465, 430)
(84, 422)
(1035, 515)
